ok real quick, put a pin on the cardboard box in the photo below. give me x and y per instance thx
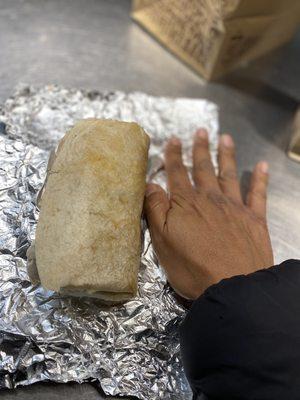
(215, 36)
(294, 147)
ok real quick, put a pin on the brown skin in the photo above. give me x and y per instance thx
(203, 233)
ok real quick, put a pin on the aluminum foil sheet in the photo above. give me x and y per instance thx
(130, 350)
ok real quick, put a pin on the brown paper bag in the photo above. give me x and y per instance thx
(215, 36)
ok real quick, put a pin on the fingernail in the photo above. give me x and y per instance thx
(264, 167)
(150, 188)
(226, 140)
(174, 141)
(201, 133)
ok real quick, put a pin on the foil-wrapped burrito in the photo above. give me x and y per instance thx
(129, 349)
(88, 238)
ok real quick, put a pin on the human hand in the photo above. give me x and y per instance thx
(203, 233)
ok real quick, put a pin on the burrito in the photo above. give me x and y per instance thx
(88, 237)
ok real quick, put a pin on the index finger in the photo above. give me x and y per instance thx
(177, 175)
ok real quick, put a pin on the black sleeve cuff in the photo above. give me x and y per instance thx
(241, 338)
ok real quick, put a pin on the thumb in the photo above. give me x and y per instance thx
(156, 206)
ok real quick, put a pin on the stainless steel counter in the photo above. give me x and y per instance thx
(94, 44)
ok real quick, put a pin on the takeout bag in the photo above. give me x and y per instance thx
(215, 36)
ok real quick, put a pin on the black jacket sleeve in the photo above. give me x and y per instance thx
(241, 338)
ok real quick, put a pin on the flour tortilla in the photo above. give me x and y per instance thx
(88, 238)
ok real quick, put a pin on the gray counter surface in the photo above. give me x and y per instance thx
(94, 44)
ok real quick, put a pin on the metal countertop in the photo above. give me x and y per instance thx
(94, 44)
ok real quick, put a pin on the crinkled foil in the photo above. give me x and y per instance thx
(131, 349)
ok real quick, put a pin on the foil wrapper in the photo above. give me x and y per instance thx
(129, 350)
